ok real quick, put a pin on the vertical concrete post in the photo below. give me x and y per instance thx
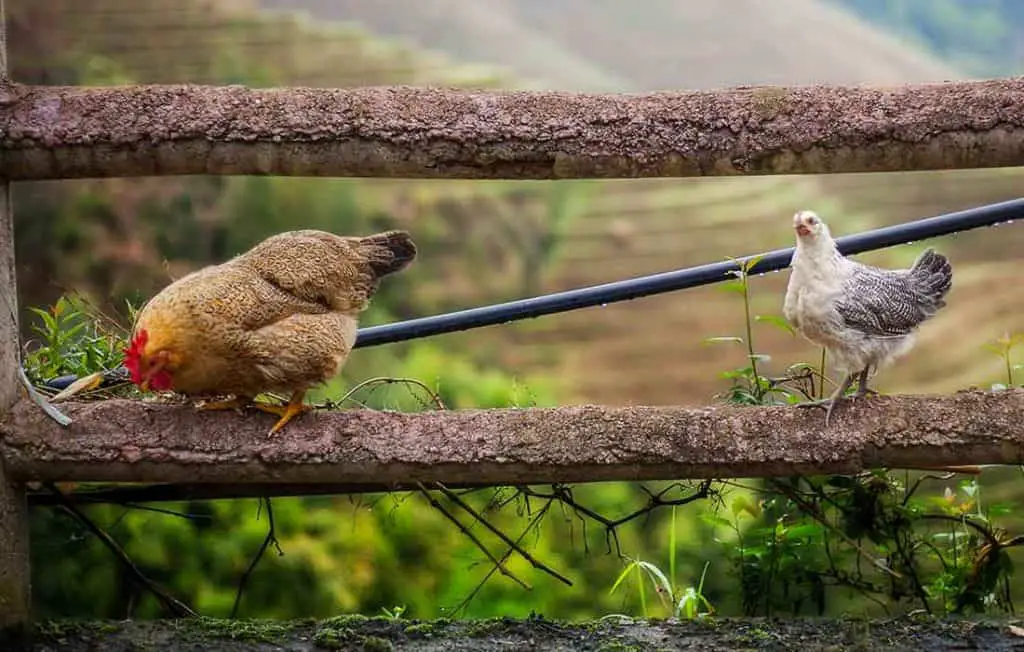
(15, 580)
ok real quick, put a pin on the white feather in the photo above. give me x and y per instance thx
(816, 285)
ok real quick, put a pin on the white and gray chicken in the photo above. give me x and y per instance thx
(864, 316)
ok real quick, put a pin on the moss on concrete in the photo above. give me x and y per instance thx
(384, 635)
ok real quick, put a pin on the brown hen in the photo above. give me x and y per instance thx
(281, 317)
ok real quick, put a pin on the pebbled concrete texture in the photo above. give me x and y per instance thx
(135, 441)
(72, 132)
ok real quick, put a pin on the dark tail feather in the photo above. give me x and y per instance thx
(388, 252)
(933, 276)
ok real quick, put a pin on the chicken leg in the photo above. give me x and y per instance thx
(237, 403)
(288, 412)
(830, 402)
(863, 389)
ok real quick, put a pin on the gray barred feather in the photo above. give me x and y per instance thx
(892, 303)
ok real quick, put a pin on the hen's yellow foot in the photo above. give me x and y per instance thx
(236, 403)
(288, 412)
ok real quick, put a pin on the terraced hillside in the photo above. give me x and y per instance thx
(620, 45)
(631, 228)
(200, 41)
(661, 337)
(645, 351)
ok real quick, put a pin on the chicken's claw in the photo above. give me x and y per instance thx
(828, 403)
(238, 403)
(288, 412)
(862, 386)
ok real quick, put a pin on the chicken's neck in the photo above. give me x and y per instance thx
(817, 257)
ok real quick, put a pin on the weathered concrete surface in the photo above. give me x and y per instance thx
(358, 633)
(132, 441)
(70, 132)
(15, 577)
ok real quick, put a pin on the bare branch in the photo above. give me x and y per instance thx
(131, 441)
(270, 539)
(565, 496)
(539, 565)
(170, 603)
(62, 132)
(500, 565)
(508, 553)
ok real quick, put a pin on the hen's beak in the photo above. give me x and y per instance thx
(153, 369)
(802, 230)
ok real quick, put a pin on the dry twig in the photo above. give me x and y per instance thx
(172, 604)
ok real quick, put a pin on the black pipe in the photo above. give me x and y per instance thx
(597, 295)
(681, 279)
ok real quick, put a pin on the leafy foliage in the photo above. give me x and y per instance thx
(73, 338)
(874, 535)
(677, 602)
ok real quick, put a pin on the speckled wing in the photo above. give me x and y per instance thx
(882, 303)
(313, 266)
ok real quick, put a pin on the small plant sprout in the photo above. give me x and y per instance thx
(689, 605)
(1003, 347)
(749, 384)
(394, 613)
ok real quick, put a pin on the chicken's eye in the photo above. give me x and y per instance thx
(812, 220)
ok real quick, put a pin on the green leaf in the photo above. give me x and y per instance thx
(808, 531)
(700, 585)
(777, 321)
(748, 263)
(736, 287)
(657, 578)
(73, 332)
(48, 321)
(60, 306)
(715, 520)
(723, 338)
(742, 372)
(622, 576)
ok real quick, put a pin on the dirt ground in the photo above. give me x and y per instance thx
(378, 635)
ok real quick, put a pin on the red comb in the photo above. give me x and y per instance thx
(133, 354)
